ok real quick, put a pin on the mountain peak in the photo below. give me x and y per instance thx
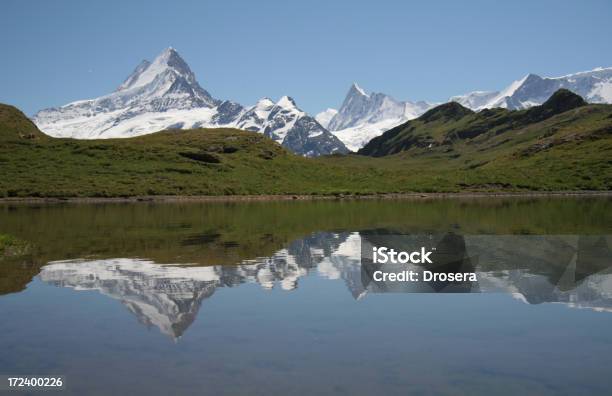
(372, 113)
(450, 110)
(169, 56)
(264, 102)
(564, 98)
(561, 101)
(146, 72)
(530, 78)
(286, 102)
(355, 89)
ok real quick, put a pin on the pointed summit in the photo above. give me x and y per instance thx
(167, 75)
(286, 102)
(172, 59)
(356, 90)
(356, 104)
(169, 61)
(360, 108)
(168, 53)
(264, 102)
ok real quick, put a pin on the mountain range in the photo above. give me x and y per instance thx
(164, 94)
(594, 86)
(364, 116)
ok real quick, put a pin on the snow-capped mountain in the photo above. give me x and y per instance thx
(594, 86)
(284, 122)
(164, 94)
(359, 107)
(364, 116)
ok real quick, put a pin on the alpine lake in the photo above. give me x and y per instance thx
(260, 298)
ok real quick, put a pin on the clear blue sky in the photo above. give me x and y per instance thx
(54, 52)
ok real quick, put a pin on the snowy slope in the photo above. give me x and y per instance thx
(164, 94)
(594, 86)
(358, 136)
(476, 99)
(325, 117)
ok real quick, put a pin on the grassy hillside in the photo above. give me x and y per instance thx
(16, 127)
(449, 149)
(565, 143)
(215, 162)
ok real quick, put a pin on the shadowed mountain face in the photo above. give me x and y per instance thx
(560, 102)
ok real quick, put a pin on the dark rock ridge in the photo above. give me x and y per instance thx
(442, 126)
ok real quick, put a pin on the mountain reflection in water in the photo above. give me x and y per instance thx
(572, 270)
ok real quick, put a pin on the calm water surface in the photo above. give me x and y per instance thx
(267, 298)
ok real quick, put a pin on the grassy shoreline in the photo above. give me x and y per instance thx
(291, 197)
